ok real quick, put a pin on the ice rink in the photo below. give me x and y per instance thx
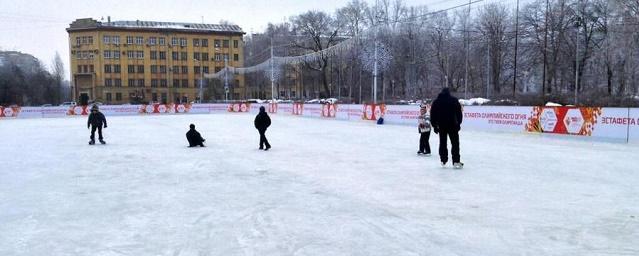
(326, 188)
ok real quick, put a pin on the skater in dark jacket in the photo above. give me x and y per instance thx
(194, 137)
(424, 127)
(446, 119)
(95, 122)
(262, 122)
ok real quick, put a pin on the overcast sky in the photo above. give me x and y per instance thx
(38, 27)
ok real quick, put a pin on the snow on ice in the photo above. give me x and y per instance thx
(326, 188)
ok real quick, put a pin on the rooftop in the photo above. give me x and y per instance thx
(84, 24)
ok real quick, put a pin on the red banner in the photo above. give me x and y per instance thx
(374, 111)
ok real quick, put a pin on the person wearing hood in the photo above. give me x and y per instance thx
(95, 122)
(446, 119)
(194, 137)
(424, 127)
(262, 122)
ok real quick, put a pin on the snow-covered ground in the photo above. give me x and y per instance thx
(326, 188)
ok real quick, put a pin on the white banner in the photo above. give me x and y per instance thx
(496, 118)
(633, 126)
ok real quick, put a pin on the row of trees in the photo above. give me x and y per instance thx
(30, 84)
(570, 51)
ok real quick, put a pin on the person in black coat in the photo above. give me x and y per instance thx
(262, 122)
(446, 119)
(95, 122)
(194, 137)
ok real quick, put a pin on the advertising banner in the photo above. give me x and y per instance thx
(633, 125)
(496, 118)
(9, 112)
(312, 110)
(285, 109)
(402, 114)
(329, 110)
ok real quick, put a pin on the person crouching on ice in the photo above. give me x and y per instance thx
(423, 128)
(194, 137)
(262, 122)
(95, 122)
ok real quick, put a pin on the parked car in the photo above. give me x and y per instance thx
(328, 101)
(68, 104)
(313, 101)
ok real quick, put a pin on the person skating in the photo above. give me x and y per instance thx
(446, 119)
(424, 127)
(194, 137)
(262, 122)
(95, 122)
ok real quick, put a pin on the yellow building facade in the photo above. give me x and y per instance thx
(144, 61)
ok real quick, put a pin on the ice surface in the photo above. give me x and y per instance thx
(326, 188)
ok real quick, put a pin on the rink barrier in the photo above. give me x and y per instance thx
(615, 124)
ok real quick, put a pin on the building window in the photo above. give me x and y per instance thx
(153, 40)
(218, 69)
(131, 69)
(79, 70)
(116, 55)
(154, 70)
(129, 40)
(196, 55)
(108, 97)
(225, 56)
(130, 54)
(107, 54)
(185, 69)
(163, 55)
(106, 39)
(205, 42)
(154, 55)
(183, 55)
(154, 83)
(139, 40)
(176, 83)
(140, 82)
(118, 96)
(185, 83)
(174, 55)
(205, 56)
(225, 43)
(218, 57)
(116, 68)
(236, 57)
(161, 41)
(196, 42)
(85, 68)
(162, 69)
(205, 69)
(131, 82)
(182, 41)
(90, 55)
(139, 54)
(118, 82)
(141, 69)
(163, 83)
(216, 43)
(174, 41)
(107, 68)
(115, 39)
(196, 69)
(196, 83)
(176, 69)
(108, 82)
(78, 55)
(91, 69)
(293, 94)
(236, 44)
(283, 94)
(91, 40)
(78, 40)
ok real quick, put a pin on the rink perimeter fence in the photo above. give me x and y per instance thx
(610, 124)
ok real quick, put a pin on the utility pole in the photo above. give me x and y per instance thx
(516, 48)
(488, 73)
(579, 20)
(375, 75)
(543, 85)
(226, 77)
(466, 33)
(272, 72)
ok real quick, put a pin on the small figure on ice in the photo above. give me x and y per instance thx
(424, 127)
(446, 118)
(95, 122)
(262, 122)
(194, 137)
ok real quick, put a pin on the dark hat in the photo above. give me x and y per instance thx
(192, 126)
(95, 108)
(262, 109)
